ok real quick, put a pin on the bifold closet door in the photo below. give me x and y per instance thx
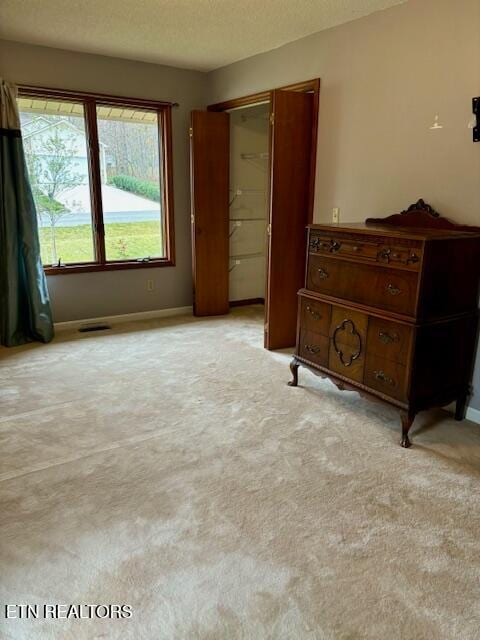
(209, 171)
(290, 147)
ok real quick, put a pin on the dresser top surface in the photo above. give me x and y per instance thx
(393, 231)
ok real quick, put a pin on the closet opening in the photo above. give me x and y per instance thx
(252, 189)
(248, 203)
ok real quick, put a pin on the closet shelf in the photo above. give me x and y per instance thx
(236, 260)
(247, 256)
(264, 155)
(238, 222)
(244, 192)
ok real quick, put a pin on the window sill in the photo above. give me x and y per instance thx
(110, 266)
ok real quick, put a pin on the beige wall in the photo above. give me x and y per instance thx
(95, 294)
(384, 77)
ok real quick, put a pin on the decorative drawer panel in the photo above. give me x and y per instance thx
(389, 289)
(389, 340)
(371, 248)
(314, 347)
(386, 376)
(348, 338)
(315, 316)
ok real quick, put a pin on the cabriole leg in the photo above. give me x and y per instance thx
(294, 369)
(407, 420)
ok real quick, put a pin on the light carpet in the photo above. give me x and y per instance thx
(168, 466)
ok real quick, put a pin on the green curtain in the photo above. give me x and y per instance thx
(25, 313)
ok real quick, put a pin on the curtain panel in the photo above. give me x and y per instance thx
(25, 313)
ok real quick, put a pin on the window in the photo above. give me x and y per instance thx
(55, 143)
(129, 159)
(101, 179)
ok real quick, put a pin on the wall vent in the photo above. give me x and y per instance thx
(94, 327)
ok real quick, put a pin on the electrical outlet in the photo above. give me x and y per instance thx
(335, 214)
(150, 285)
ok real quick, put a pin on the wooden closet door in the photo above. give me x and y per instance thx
(209, 174)
(291, 147)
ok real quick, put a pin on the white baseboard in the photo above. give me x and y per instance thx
(71, 325)
(473, 414)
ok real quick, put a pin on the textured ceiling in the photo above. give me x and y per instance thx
(195, 34)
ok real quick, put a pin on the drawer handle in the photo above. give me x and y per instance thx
(312, 348)
(322, 274)
(356, 248)
(393, 290)
(333, 246)
(384, 255)
(315, 315)
(386, 338)
(382, 377)
(412, 258)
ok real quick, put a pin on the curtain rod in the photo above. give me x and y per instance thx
(66, 94)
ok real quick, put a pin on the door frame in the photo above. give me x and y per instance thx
(307, 86)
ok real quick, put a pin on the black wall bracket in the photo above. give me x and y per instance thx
(476, 111)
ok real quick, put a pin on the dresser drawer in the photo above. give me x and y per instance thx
(369, 248)
(343, 246)
(386, 376)
(389, 289)
(314, 347)
(389, 340)
(315, 316)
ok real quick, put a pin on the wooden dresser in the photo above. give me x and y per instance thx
(390, 308)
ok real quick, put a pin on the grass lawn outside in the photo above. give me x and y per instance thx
(123, 240)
